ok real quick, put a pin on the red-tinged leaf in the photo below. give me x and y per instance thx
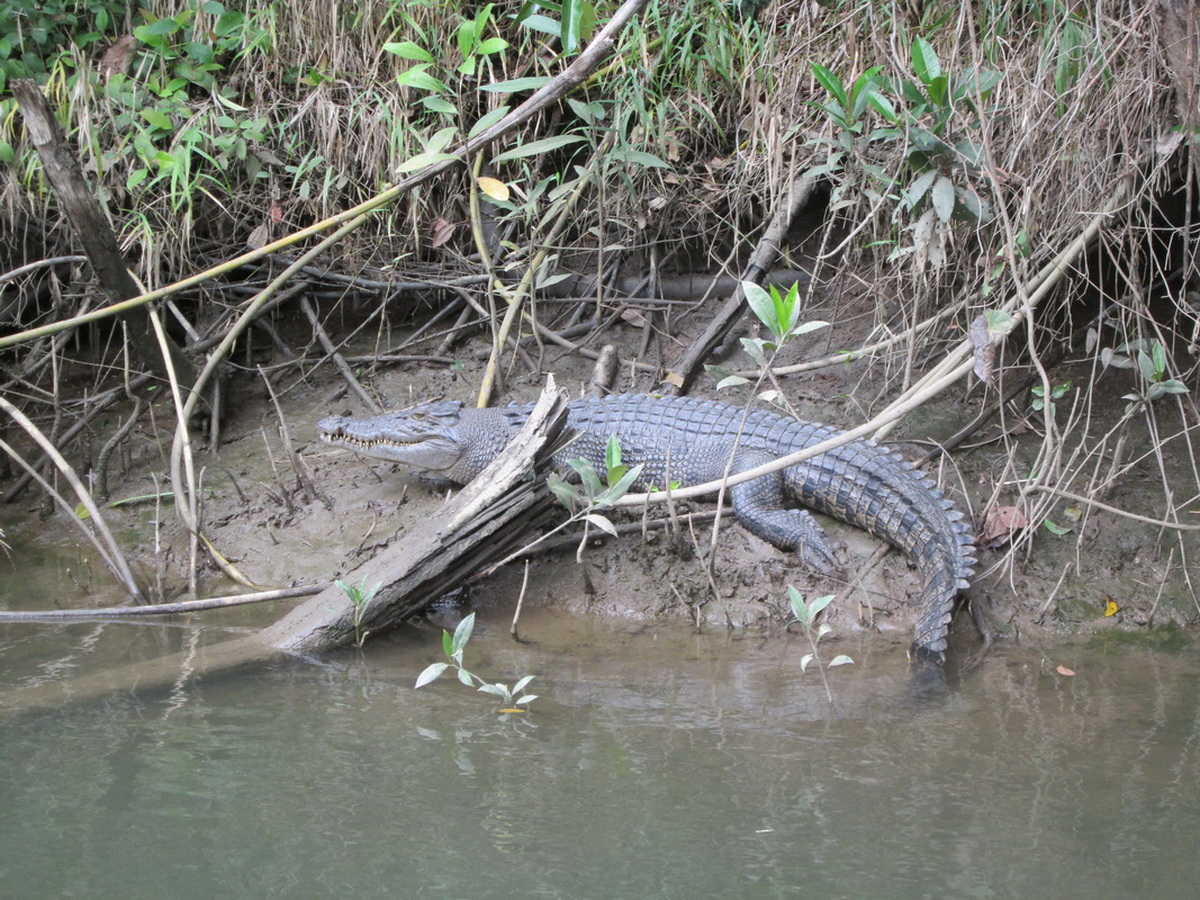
(442, 231)
(1063, 670)
(1000, 524)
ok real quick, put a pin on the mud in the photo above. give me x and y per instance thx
(258, 515)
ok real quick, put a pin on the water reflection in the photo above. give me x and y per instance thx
(659, 764)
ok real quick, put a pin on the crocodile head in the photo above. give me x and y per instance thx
(425, 437)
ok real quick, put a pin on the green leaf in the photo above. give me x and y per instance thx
(815, 606)
(565, 492)
(601, 522)
(447, 643)
(544, 24)
(462, 633)
(514, 85)
(496, 690)
(587, 473)
(409, 50)
(864, 87)
(1146, 365)
(762, 304)
(1159, 352)
(466, 677)
(612, 453)
(491, 45)
(757, 348)
(487, 121)
(1055, 528)
(441, 139)
(418, 79)
(799, 610)
(421, 160)
(572, 19)
(731, 381)
(831, 83)
(639, 158)
(431, 673)
(925, 61)
(939, 90)
(535, 148)
(162, 27)
(624, 482)
(883, 106)
(988, 79)
(999, 323)
(806, 327)
(787, 310)
(467, 39)
(842, 660)
(439, 105)
(157, 119)
(520, 685)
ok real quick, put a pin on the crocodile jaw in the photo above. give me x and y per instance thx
(425, 452)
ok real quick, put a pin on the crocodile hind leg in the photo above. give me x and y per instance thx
(758, 504)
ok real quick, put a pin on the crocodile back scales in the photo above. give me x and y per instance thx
(859, 483)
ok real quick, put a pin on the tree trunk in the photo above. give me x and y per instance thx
(91, 226)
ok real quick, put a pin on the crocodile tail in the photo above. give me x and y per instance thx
(945, 565)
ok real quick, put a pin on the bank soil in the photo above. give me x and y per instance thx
(259, 516)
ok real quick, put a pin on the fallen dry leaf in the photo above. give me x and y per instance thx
(442, 231)
(1000, 524)
(494, 188)
(1063, 670)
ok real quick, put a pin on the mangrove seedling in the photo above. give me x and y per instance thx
(511, 699)
(805, 614)
(360, 596)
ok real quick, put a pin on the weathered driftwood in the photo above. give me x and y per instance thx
(488, 520)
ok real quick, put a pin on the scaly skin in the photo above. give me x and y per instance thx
(691, 441)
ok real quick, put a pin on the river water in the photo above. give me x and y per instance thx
(656, 764)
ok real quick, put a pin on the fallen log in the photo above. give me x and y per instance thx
(490, 518)
(486, 521)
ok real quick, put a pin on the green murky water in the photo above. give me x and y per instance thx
(657, 764)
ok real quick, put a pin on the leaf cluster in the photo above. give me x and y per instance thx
(453, 646)
(929, 116)
(805, 613)
(593, 492)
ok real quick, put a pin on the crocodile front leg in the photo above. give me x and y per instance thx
(758, 505)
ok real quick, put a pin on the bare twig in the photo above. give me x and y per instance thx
(332, 352)
(160, 609)
(103, 540)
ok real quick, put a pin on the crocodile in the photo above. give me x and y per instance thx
(688, 441)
